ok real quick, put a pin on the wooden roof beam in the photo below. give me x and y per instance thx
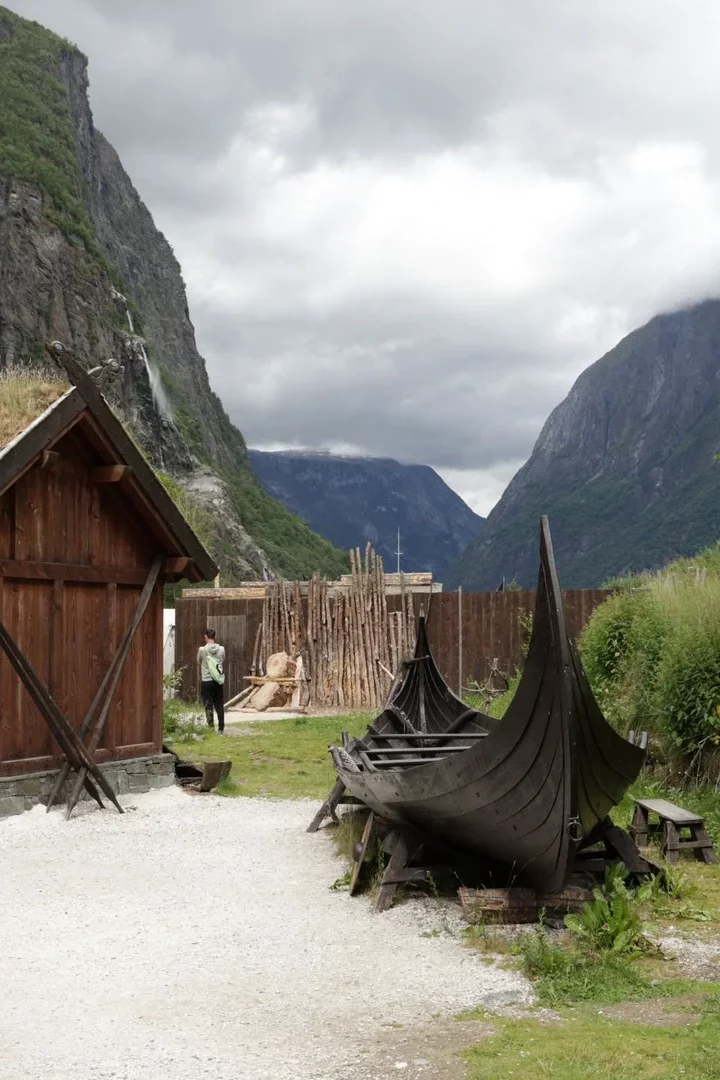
(177, 564)
(109, 474)
(48, 459)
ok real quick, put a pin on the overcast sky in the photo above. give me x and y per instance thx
(407, 225)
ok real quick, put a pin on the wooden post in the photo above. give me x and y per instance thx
(57, 641)
(640, 828)
(460, 643)
(256, 649)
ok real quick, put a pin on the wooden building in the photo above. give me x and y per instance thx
(86, 528)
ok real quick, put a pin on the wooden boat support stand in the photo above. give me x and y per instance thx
(523, 800)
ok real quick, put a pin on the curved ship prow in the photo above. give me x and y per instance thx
(527, 790)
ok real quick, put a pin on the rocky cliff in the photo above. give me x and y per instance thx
(352, 500)
(624, 467)
(82, 261)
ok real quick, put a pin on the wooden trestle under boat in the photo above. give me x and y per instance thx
(527, 790)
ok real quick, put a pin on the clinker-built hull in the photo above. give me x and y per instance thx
(528, 789)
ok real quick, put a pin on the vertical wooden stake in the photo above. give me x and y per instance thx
(460, 643)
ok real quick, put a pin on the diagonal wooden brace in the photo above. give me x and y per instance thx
(109, 683)
(102, 691)
(63, 732)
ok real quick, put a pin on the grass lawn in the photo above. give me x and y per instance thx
(589, 1044)
(280, 759)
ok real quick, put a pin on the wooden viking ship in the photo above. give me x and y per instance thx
(528, 789)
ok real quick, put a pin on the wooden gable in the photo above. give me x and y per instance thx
(88, 536)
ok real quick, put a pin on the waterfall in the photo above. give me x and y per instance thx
(158, 390)
(156, 387)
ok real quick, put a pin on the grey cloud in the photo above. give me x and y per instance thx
(398, 76)
(440, 398)
(560, 86)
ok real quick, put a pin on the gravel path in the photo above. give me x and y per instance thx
(198, 937)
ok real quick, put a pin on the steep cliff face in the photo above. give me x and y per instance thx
(82, 261)
(353, 500)
(624, 467)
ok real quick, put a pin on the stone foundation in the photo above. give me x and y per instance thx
(19, 793)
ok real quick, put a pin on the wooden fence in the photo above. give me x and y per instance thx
(491, 624)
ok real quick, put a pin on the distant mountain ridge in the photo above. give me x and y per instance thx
(350, 500)
(624, 467)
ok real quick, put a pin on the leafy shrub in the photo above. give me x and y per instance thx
(179, 723)
(653, 658)
(180, 720)
(526, 625)
(688, 683)
(611, 922)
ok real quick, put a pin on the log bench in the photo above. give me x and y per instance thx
(671, 821)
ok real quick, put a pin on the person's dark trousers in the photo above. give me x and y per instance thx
(212, 696)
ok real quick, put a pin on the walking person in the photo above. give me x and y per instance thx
(211, 658)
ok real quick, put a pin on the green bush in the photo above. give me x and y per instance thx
(181, 720)
(611, 922)
(688, 674)
(652, 655)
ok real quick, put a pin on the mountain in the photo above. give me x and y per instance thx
(624, 466)
(351, 500)
(82, 261)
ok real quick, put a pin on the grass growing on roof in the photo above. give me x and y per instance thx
(280, 759)
(24, 395)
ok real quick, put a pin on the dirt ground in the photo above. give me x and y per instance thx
(199, 937)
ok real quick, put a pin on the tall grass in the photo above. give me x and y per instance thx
(653, 657)
(24, 395)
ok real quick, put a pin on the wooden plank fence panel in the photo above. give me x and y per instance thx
(235, 621)
(492, 628)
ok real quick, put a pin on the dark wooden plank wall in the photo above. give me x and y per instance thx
(69, 630)
(491, 623)
(235, 622)
(493, 627)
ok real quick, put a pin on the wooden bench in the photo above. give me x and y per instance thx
(672, 819)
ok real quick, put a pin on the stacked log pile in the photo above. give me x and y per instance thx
(282, 686)
(347, 641)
